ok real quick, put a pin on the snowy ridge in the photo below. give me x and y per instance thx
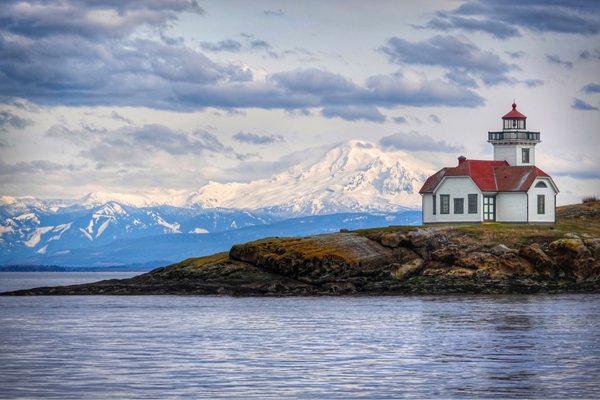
(353, 176)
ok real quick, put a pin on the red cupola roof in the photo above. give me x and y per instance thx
(514, 114)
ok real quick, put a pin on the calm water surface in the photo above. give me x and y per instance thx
(375, 347)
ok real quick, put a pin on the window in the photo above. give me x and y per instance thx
(444, 204)
(459, 206)
(541, 185)
(472, 204)
(434, 205)
(525, 156)
(541, 204)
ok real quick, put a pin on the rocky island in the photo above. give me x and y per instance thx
(483, 258)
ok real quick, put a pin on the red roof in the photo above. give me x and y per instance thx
(489, 176)
(514, 114)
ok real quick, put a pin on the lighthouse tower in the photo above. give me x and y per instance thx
(514, 143)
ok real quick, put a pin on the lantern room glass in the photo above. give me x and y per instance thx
(514, 123)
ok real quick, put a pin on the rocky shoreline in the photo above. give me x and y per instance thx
(491, 258)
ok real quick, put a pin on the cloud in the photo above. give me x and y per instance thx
(533, 82)
(253, 138)
(588, 55)
(448, 21)
(260, 44)
(554, 59)
(118, 117)
(354, 113)
(458, 55)
(462, 79)
(36, 166)
(10, 120)
(135, 145)
(274, 13)
(90, 19)
(400, 120)
(59, 65)
(435, 119)
(414, 141)
(577, 166)
(229, 45)
(579, 104)
(505, 19)
(591, 88)
(299, 112)
(515, 54)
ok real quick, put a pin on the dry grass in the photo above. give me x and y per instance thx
(312, 247)
(386, 229)
(202, 262)
(577, 218)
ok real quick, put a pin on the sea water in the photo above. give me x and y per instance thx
(544, 346)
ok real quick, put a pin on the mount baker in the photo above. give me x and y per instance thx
(354, 177)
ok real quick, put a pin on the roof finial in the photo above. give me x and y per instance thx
(514, 104)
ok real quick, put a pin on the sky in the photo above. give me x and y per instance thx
(133, 96)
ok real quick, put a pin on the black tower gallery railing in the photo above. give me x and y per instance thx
(514, 135)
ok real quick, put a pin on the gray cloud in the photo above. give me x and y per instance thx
(36, 166)
(400, 120)
(579, 104)
(414, 141)
(133, 145)
(92, 19)
(260, 44)
(515, 54)
(253, 138)
(449, 21)
(554, 59)
(10, 120)
(354, 113)
(587, 55)
(118, 117)
(229, 45)
(591, 88)
(58, 66)
(274, 13)
(501, 19)
(435, 119)
(458, 55)
(533, 82)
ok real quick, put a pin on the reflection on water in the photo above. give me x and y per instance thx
(155, 347)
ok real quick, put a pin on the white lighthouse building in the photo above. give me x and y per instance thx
(508, 189)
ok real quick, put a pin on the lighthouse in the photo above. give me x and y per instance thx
(509, 188)
(514, 143)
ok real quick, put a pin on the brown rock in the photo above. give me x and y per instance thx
(572, 254)
(393, 240)
(406, 270)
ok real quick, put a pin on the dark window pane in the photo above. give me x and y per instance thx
(525, 155)
(541, 204)
(472, 204)
(434, 205)
(459, 206)
(444, 203)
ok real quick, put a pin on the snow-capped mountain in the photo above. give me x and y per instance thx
(32, 227)
(353, 176)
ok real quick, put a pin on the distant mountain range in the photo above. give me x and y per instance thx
(354, 185)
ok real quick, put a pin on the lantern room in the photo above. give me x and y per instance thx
(514, 120)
